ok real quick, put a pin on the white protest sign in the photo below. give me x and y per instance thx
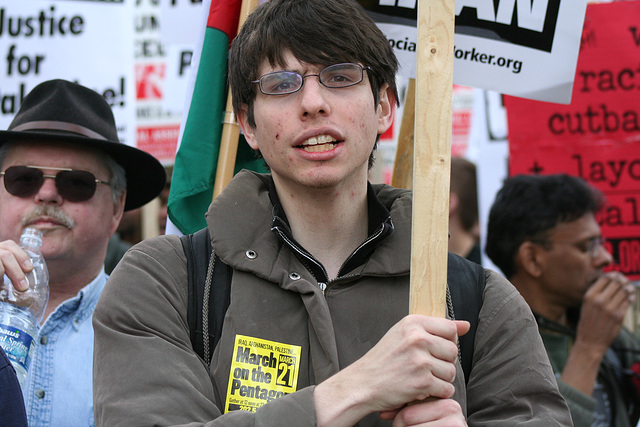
(525, 48)
(181, 22)
(83, 41)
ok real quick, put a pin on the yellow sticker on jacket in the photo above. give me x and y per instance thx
(261, 371)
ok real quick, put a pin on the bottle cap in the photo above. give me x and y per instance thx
(32, 234)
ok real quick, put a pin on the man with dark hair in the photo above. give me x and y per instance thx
(464, 228)
(66, 173)
(544, 236)
(316, 331)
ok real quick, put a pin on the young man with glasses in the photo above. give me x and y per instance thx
(544, 236)
(317, 330)
(64, 172)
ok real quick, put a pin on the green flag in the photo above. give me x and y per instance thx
(197, 156)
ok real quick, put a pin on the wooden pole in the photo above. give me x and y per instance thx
(149, 219)
(403, 166)
(432, 157)
(230, 127)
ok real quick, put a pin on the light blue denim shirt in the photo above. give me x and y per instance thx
(59, 390)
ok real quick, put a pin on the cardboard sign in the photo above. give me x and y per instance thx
(597, 136)
(77, 41)
(525, 48)
(158, 121)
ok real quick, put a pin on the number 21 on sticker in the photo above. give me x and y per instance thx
(286, 370)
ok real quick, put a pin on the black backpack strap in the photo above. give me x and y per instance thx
(466, 281)
(209, 285)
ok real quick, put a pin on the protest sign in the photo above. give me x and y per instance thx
(597, 136)
(180, 22)
(523, 48)
(76, 41)
(157, 121)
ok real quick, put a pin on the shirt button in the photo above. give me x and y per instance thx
(40, 393)
(44, 340)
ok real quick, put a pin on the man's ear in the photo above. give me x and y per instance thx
(247, 130)
(531, 257)
(386, 109)
(118, 211)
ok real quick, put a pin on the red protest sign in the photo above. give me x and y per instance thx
(597, 136)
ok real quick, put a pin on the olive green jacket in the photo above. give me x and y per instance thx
(613, 376)
(146, 373)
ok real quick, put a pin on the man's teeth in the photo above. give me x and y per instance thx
(318, 148)
(319, 143)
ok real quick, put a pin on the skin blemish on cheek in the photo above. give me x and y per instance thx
(277, 136)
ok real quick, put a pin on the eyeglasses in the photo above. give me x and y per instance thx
(592, 246)
(73, 185)
(589, 246)
(334, 76)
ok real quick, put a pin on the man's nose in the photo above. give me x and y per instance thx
(313, 97)
(48, 193)
(604, 257)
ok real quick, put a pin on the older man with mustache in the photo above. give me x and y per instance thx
(65, 172)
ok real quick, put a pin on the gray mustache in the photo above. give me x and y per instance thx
(50, 211)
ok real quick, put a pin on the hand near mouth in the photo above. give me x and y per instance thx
(601, 319)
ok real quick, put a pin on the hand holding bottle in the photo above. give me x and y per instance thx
(32, 292)
(21, 310)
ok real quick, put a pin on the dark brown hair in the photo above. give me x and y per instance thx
(319, 32)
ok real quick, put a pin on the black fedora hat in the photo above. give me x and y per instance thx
(59, 110)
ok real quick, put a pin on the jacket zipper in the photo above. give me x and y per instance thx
(363, 244)
(374, 236)
(295, 247)
(322, 285)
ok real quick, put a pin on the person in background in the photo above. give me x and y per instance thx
(129, 231)
(164, 200)
(319, 261)
(65, 173)
(543, 234)
(118, 246)
(464, 228)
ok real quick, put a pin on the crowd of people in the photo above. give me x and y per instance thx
(312, 261)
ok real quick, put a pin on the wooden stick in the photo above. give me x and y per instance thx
(432, 157)
(228, 149)
(230, 128)
(403, 165)
(149, 223)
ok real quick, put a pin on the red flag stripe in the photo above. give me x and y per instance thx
(224, 16)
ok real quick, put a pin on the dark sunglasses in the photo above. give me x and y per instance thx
(73, 185)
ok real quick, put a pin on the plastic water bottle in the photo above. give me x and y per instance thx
(22, 312)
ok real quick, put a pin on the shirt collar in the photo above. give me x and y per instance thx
(81, 306)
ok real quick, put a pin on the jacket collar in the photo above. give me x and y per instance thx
(379, 228)
(242, 217)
